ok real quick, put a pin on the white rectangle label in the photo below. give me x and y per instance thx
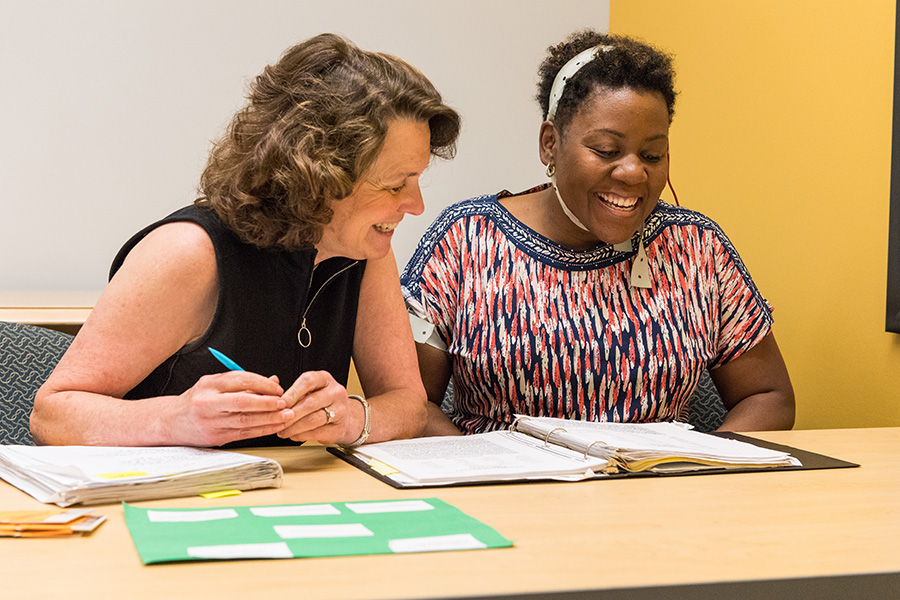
(300, 510)
(461, 541)
(190, 516)
(228, 551)
(363, 508)
(293, 532)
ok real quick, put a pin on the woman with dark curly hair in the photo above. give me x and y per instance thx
(588, 297)
(284, 264)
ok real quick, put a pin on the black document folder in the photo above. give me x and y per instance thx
(808, 461)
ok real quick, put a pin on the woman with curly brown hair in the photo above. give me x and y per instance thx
(284, 264)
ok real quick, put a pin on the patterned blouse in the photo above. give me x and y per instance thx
(535, 328)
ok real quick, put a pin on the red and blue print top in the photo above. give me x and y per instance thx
(535, 328)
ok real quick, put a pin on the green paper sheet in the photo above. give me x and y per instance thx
(305, 530)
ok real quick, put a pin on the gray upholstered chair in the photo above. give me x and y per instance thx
(28, 354)
(706, 409)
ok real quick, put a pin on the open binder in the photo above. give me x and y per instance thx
(547, 449)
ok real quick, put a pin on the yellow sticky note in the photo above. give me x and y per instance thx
(122, 474)
(382, 468)
(222, 494)
(27, 516)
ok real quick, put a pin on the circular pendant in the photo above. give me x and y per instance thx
(304, 337)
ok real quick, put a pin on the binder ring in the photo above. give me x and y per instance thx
(588, 449)
(512, 426)
(547, 437)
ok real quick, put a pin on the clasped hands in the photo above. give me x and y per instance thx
(239, 405)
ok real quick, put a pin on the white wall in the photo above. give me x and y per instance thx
(107, 107)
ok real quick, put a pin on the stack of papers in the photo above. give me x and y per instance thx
(66, 475)
(48, 523)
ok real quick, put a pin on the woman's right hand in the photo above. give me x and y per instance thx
(231, 406)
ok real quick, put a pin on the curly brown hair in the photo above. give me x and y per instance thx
(625, 62)
(315, 122)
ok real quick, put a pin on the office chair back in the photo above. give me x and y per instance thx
(706, 408)
(28, 354)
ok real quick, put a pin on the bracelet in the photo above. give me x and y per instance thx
(365, 430)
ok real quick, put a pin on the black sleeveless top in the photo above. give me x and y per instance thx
(264, 297)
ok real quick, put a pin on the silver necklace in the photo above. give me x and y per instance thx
(304, 335)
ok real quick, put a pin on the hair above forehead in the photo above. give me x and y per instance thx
(346, 85)
(621, 61)
(315, 121)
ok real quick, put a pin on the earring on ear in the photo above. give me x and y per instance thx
(551, 170)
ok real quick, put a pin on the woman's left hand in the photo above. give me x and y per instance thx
(322, 411)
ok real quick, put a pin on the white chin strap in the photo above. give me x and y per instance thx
(640, 268)
(565, 208)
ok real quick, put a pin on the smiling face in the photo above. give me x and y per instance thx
(611, 163)
(364, 222)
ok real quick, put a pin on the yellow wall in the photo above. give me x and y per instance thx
(782, 134)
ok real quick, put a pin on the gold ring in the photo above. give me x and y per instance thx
(329, 415)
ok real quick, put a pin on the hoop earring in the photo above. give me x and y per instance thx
(551, 170)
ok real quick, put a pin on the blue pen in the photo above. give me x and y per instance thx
(225, 360)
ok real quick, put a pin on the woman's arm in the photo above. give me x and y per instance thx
(385, 359)
(162, 298)
(756, 389)
(435, 370)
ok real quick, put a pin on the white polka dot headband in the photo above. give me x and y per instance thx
(567, 72)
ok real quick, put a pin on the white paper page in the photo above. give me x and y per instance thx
(650, 439)
(95, 461)
(485, 456)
